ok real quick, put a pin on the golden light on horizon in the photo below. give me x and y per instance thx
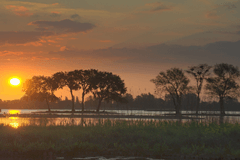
(15, 81)
(14, 112)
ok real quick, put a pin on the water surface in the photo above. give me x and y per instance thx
(16, 122)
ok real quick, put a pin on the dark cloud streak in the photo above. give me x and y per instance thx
(213, 52)
(21, 37)
(75, 16)
(160, 8)
(228, 6)
(63, 26)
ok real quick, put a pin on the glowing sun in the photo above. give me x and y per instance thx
(15, 81)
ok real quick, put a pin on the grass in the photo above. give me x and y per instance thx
(128, 138)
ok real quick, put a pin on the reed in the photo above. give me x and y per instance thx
(106, 137)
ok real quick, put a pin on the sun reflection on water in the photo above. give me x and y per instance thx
(14, 122)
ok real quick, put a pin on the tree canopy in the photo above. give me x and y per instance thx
(40, 88)
(223, 85)
(172, 82)
(84, 80)
(107, 86)
(67, 79)
(199, 72)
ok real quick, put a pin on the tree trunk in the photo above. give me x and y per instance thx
(177, 110)
(83, 102)
(198, 101)
(73, 110)
(178, 106)
(48, 105)
(175, 105)
(222, 106)
(99, 104)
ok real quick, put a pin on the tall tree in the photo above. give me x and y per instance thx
(107, 86)
(174, 83)
(67, 79)
(40, 88)
(199, 73)
(223, 85)
(84, 80)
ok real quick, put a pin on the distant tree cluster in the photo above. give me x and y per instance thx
(221, 84)
(104, 86)
(218, 81)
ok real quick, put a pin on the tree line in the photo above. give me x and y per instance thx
(104, 86)
(220, 83)
(144, 101)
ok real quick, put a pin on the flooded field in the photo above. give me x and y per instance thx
(16, 121)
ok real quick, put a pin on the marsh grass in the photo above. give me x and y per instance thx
(105, 137)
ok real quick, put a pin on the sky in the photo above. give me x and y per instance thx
(135, 39)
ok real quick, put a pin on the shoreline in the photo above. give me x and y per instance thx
(50, 115)
(50, 155)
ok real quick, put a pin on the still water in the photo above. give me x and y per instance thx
(16, 122)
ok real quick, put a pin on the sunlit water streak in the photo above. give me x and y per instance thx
(116, 158)
(96, 158)
(16, 122)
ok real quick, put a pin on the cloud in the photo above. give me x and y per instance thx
(55, 14)
(226, 32)
(75, 16)
(7, 53)
(19, 10)
(63, 48)
(158, 7)
(63, 26)
(52, 41)
(21, 37)
(227, 6)
(44, 58)
(105, 41)
(25, 56)
(223, 51)
(211, 15)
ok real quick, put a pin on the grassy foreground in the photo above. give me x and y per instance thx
(123, 138)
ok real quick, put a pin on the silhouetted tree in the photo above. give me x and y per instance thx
(145, 101)
(40, 88)
(83, 79)
(189, 101)
(67, 79)
(127, 102)
(91, 102)
(199, 72)
(173, 82)
(128, 98)
(223, 85)
(107, 86)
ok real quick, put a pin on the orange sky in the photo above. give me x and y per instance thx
(134, 39)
